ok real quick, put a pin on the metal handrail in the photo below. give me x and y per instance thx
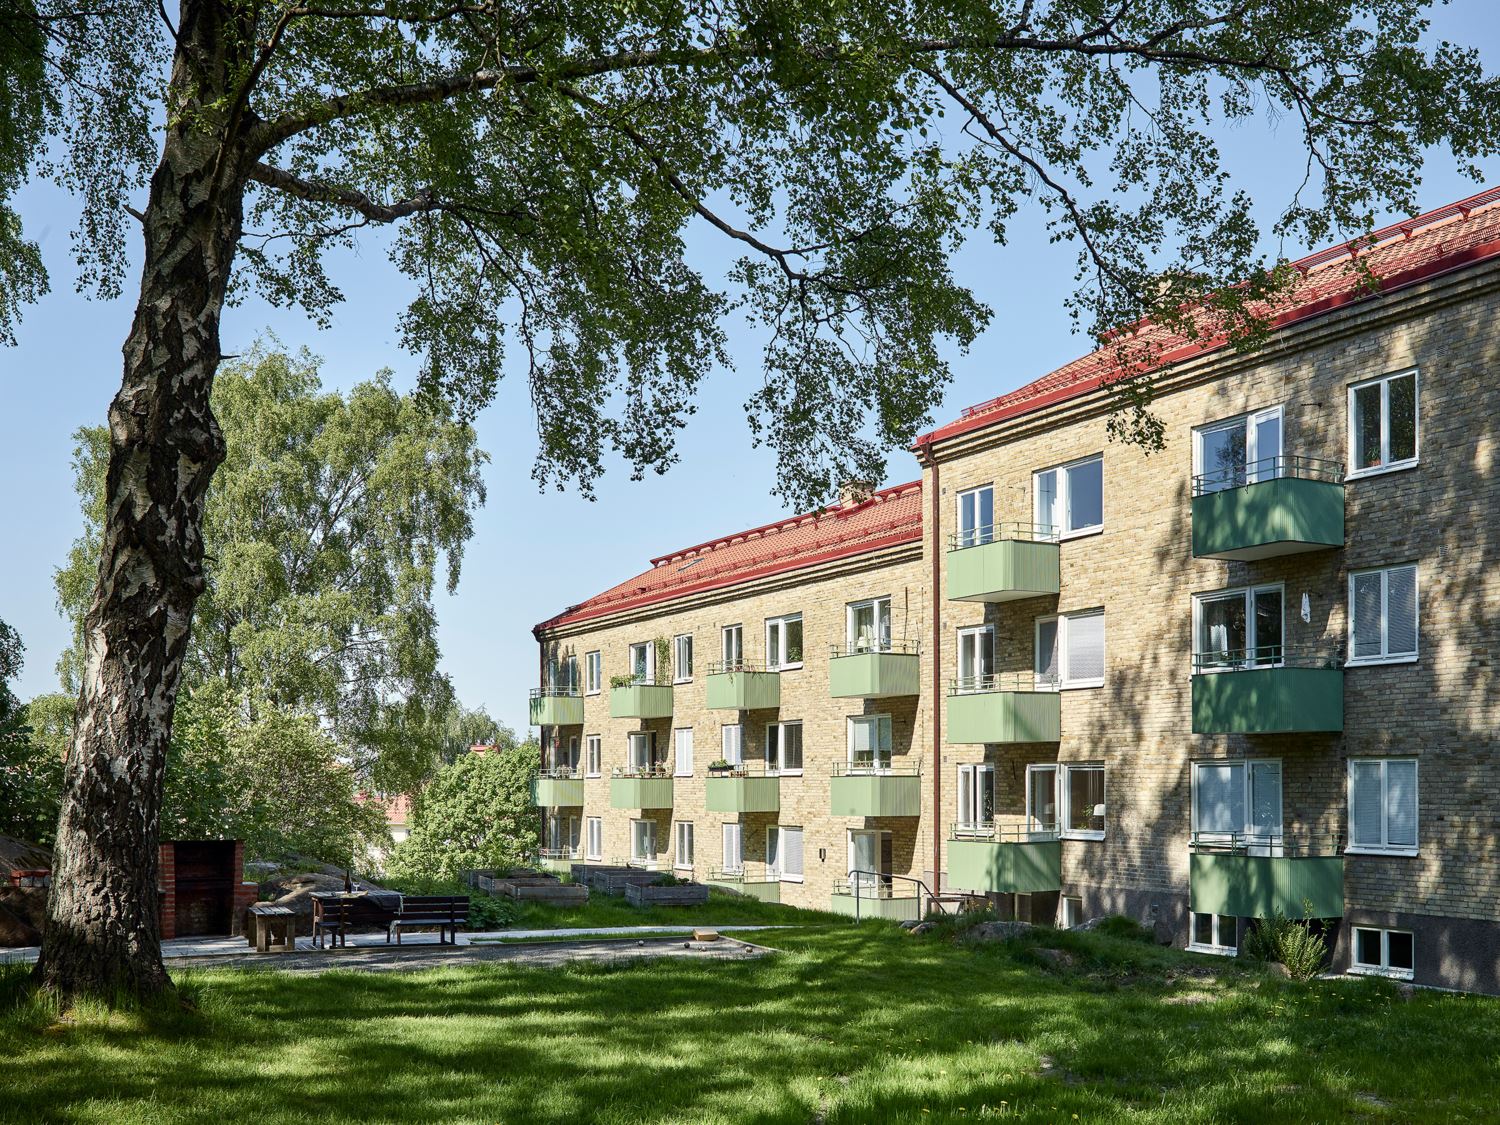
(854, 888)
(560, 773)
(728, 667)
(1305, 844)
(745, 769)
(738, 875)
(555, 693)
(657, 771)
(643, 864)
(1265, 656)
(562, 853)
(1003, 833)
(896, 648)
(1268, 468)
(1000, 532)
(859, 769)
(1002, 681)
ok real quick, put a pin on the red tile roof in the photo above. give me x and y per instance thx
(889, 517)
(1452, 237)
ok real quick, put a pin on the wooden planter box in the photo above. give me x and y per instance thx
(556, 893)
(689, 894)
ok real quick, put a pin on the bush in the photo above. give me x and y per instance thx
(486, 912)
(1290, 942)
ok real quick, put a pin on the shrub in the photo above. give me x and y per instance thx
(486, 912)
(1288, 941)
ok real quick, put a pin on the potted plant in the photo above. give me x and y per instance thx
(720, 765)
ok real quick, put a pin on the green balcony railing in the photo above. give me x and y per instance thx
(556, 707)
(741, 790)
(1243, 875)
(1001, 859)
(640, 789)
(859, 789)
(1002, 563)
(742, 686)
(1015, 707)
(766, 888)
(878, 897)
(1271, 690)
(640, 701)
(557, 788)
(881, 672)
(1276, 506)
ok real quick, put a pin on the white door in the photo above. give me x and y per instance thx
(869, 743)
(976, 659)
(1265, 808)
(864, 858)
(1264, 440)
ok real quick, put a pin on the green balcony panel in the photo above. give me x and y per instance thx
(870, 905)
(875, 795)
(1268, 701)
(1003, 716)
(557, 792)
(1002, 571)
(640, 792)
(742, 794)
(641, 701)
(1269, 518)
(874, 675)
(744, 691)
(994, 866)
(766, 890)
(556, 710)
(1252, 886)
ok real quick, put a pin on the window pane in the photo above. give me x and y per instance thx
(984, 787)
(1367, 947)
(1403, 401)
(1267, 626)
(1265, 798)
(1267, 448)
(773, 850)
(1228, 931)
(1046, 501)
(1203, 929)
(1221, 798)
(1365, 609)
(1366, 425)
(1222, 457)
(1086, 799)
(1399, 949)
(1086, 647)
(1401, 804)
(862, 626)
(1401, 611)
(733, 744)
(1221, 623)
(1041, 798)
(1086, 495)
(791, 851)
(1046, 651)
(1364, 804)
(793, 641)
(791, 746)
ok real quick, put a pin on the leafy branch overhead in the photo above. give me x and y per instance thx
(542, 166)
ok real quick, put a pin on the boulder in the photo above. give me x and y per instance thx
(295, 893)
(997, 931)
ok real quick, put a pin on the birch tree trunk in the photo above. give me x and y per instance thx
(103, 935)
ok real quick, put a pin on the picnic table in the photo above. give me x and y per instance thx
(335, 912)
(270, 921)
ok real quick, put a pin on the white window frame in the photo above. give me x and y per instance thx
(1064, 682)
(1218, 947)
(778, 625)
(593, 672)
(593, 837)
(1352, 848)
(1032, 823)
(780, 728)
(732, 655)
(979, 533)
(981, 774)
(1060, 530)
(651, 824)
(736, 830)
(1247, 593)
(1270, 843)
(1361, 968)
(1386, 464)
(880, 878)
(739, 743)
(1385, 656)
(775, 868)
(679, 760)
(1071, 909)
(875, 767)
(677, 662)
(593, 755)
(882, 641)
(630, 744)
(978, 681)
(650, 648)
(678, 838)
(1065, 772)
(1253, 454)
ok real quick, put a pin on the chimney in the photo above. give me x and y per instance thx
(854, 492)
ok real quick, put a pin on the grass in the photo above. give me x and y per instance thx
(722, 909)
(849, 1025)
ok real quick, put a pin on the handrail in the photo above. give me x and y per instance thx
(555, 693)
(729, 667)
(853, 886)
(895, 648)
(562, 853)
(1001, 532)
(1305, 844)
(746, 769)
(860, 769)
(1002, 681)
(560, 773)
(1003, 833)
(1266, 656)
(738, 875)
(1288, 466)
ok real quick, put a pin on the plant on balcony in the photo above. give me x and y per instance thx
(623, 679)
(720, 765)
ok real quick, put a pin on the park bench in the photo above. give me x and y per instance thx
(446, 912)
(334, 915)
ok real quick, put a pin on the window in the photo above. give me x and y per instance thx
(1240, 451)
(1041, 798)
(593, 672)
(682, 658)
(1383, 615)
(641, 750)
(682, 856)
(976, 798)
(868, 625)
(733, 737)
(869, 743)
(1083, 802)
(734, 851)
(732, 638)
(870, 858)
(1383, 424)
(1070, 650)
(595, 837)
(784, 748)
(683, 739)
(562, 675)
(1388, 953)
(1383, 805)
(1237, 628)
(1238, 804)
(976, 659)
(643, 662)
(784, 641)
(1215, 933)
(1072, 911)
(593, 755)
(1069, 500)
(784, 853)
(976, 516)
(643, 839)
(572, 760)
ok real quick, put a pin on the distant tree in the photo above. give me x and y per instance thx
(31, 767)
(475, 813)
(463, 729)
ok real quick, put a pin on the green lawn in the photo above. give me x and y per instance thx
(849, 1024)
(722, 909)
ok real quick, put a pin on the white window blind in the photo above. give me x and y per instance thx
(682, 657)
(1048, 667)
(595, 838)
(734, 855)
(684, 857)
(684, 746)
(791, 857)
(1383, 804)
(1383, 614)
(594, 755)
(870, 742)
(1085, 652)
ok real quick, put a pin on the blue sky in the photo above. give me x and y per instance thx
(533, 553)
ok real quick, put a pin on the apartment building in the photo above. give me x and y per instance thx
(1250, 672)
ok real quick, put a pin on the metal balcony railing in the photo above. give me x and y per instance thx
(559, 773)
(999, 532)
(1286, 466)
(1002, 681)
(1297, 845)
(724, 667)
(656, 769)
(874, 767)
(556, 691)
(898, 648)
(1266, 656)
(1003, 833)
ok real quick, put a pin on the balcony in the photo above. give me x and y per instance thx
(1004, 859)
(556, 707)
(766, 888)
(865, 900)
(867, 790)
(560, 861)
(1226, 876)
(874, 673)
(1278, 506)
(742, 686)
(1017, 707)
(1002, 563)
(557, 788)
(639, 700)
(649, 788)
(1269, 691)
(740, 791)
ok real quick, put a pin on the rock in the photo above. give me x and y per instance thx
(295, 893)
(910, 924)
(1058, 958)
(917, 929)
(1278, 969)
(997, 931)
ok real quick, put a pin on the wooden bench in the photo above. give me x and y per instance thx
(335, 915)
(268, 921)
(446, 912)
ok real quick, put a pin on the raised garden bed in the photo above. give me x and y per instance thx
(679, 894)
(554, 892)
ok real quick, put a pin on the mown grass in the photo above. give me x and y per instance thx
(847, 1025)
(722, 909)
